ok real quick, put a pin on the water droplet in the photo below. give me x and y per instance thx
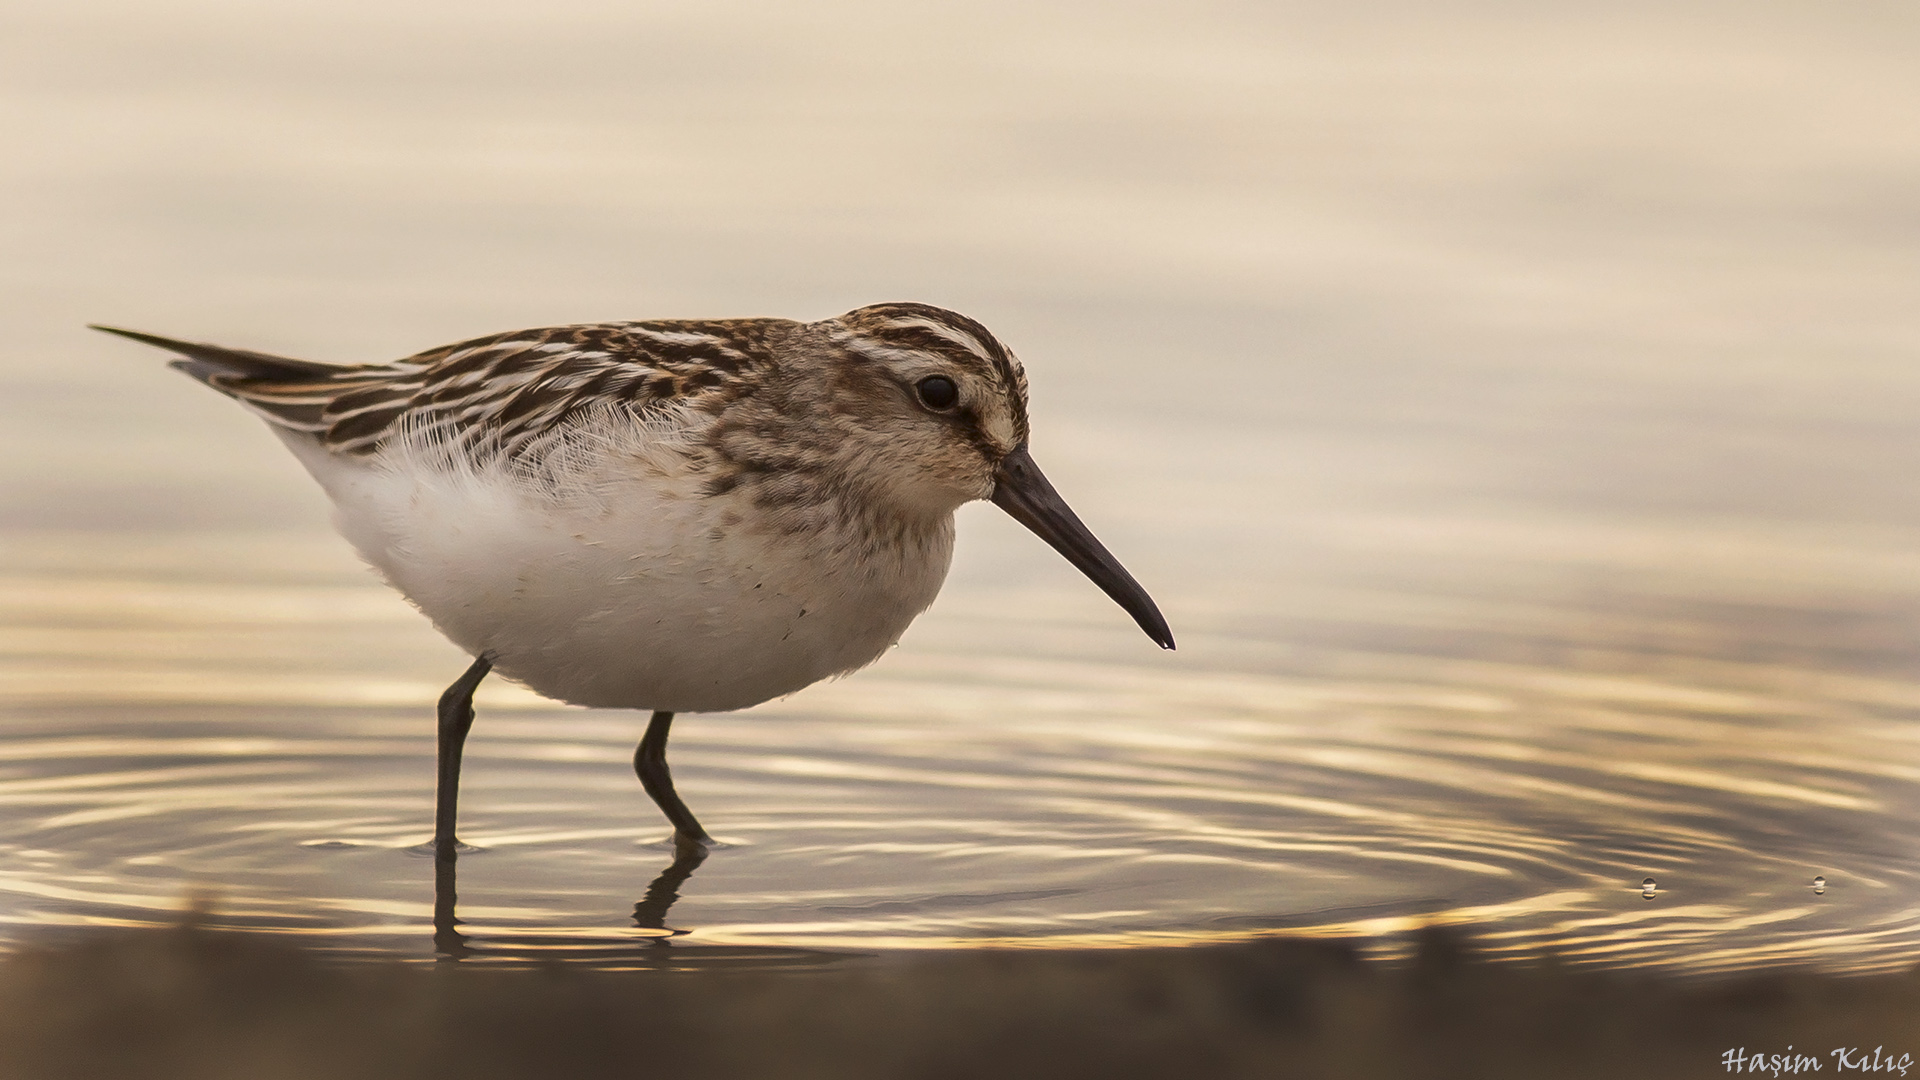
(1647, 889)
(1820, 886)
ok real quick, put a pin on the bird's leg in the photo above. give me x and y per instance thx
(456, 717)
(650, 762)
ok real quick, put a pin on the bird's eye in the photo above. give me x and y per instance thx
(938, 392)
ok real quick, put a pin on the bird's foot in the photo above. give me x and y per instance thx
(687, 846)
(436, 849)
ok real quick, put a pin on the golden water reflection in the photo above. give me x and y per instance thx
(262, 746)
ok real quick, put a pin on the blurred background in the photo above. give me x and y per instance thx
(1509, 405)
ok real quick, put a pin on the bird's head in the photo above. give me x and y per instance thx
(930, 411)
(939, 401)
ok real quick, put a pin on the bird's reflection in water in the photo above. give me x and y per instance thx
(449, 942)
(649, 914)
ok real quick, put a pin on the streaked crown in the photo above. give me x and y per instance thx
(912, 404)
(917, 341)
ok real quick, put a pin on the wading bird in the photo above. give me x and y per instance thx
(675, 515)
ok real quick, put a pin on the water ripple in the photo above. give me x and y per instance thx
(263, 752)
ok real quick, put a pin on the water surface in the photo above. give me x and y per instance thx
(205, 724)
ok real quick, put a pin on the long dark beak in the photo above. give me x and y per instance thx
(1021, 489)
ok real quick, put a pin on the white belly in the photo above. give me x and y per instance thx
(627, 588)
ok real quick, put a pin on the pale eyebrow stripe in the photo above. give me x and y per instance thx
(873, 350)
(939, 329)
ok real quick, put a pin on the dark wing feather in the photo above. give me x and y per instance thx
(491, 395)
(203, 361)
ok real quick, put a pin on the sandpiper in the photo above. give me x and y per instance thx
(673, 515)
